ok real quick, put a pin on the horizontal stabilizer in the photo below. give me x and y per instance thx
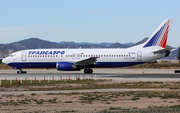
(163, 50)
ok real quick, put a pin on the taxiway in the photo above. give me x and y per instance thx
(115, 74)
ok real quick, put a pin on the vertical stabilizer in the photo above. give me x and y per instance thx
(159, 37)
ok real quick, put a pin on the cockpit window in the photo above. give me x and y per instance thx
(12, 55)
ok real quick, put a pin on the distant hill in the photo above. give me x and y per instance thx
(116, 45)
(173, 54)
(140, 42)
(129, 44)
(86, 43)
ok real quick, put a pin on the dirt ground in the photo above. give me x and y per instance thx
(83, 101)
(104, 99)
(92, 100)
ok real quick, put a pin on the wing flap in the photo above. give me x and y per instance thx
(86, 62)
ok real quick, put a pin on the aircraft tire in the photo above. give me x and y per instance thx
(85, 71)
(88, 71)
(20, 72)
(24, 71)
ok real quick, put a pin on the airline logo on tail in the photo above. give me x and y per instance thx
(159, 38)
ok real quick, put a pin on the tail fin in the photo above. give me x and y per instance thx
(159, 37)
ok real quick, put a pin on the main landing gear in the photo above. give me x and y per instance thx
(21, 71)
(88, 71)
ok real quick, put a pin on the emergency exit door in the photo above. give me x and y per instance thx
(139, 55)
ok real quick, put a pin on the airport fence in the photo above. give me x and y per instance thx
(78, 109)
(45, 79)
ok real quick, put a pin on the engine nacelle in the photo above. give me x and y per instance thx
(66, 66)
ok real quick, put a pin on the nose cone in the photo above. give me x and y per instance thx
(5, 61)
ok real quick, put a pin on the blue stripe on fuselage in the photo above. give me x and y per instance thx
(53, 64)
(33, 64)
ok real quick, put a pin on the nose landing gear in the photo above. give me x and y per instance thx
(21, 71)
(88, 71)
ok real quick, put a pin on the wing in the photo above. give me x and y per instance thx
(163, 50)
(86, 62)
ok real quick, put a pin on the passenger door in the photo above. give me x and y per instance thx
(23, 57)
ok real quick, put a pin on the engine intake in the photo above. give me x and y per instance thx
(66, 66)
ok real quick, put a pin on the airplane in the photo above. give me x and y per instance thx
(76, 59)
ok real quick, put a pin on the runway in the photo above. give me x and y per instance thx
(115, 74)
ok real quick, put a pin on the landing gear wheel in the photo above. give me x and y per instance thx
(20, 72)
(24, 71)
(88, 71)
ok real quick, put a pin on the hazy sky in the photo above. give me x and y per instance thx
(87, 20)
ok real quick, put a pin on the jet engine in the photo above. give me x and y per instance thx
(66, 66)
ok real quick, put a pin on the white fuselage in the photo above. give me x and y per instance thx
(47, 58)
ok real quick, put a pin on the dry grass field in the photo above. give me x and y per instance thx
(81, 101)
